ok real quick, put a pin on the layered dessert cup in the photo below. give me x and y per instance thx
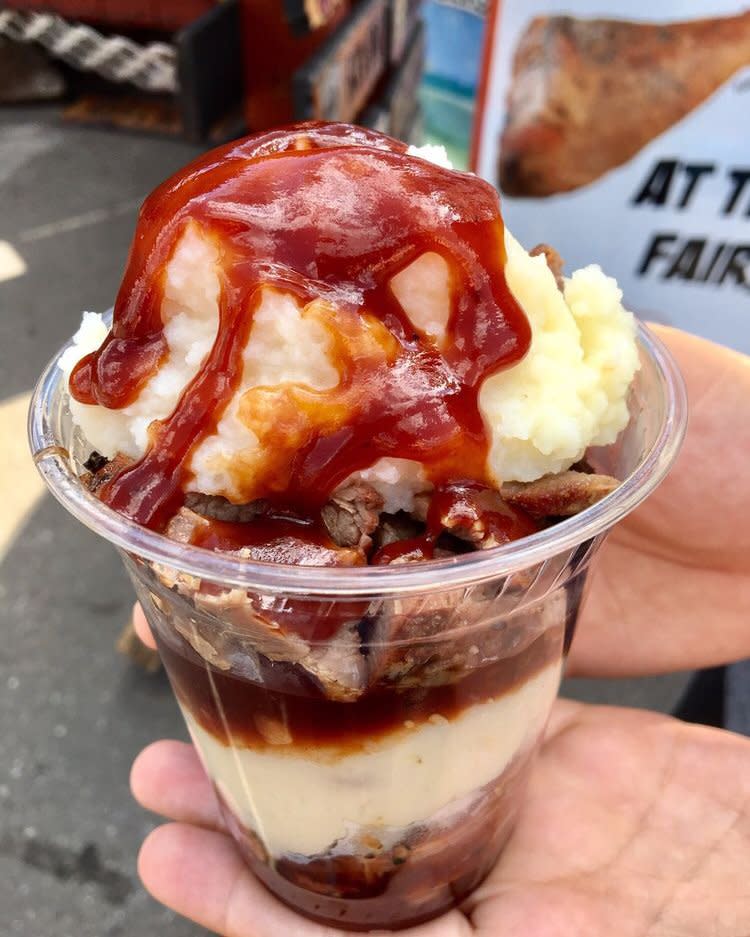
(365, 647)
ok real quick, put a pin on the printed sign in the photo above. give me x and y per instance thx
(337, 81)
(620, 134)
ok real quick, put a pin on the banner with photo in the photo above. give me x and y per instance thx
(619, 132)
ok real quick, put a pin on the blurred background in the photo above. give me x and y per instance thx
(100, 100)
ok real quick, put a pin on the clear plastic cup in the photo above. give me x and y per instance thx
(369, 731)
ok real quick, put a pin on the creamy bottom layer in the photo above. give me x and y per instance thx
(304, 800)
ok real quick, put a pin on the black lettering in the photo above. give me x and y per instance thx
(656, 188)
(740, 178)
(693, 172)
(655, 251)
(704, 275)
(738, 266)
(686, 262)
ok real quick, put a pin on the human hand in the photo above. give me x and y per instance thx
(671, 588)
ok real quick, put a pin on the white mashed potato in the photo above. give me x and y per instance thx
(283, 347)
(568, 393)
(190, 312)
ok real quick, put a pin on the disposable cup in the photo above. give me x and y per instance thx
(369, 732)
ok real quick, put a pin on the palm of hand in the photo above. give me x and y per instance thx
(634, 825)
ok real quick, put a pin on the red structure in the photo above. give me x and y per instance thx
(162, 15)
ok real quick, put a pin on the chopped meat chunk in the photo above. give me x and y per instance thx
(479, 515)
(583, 465)
(437, 639)
(339, 664)
(447, 545)
(356, 875)
(413, 550)
(229, 628)
(101, 470)
(295, 551)
(559, 495)
(235, 630)
(352, 515)
(395, 527)
(185, 525)
(95, 462)
(219, 509)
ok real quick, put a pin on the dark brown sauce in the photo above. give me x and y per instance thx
(331, 213)
(467, 503)
(269, 539)
(287, 698)
(433, 869)
(413, 550)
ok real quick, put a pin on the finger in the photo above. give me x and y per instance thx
(168, 778)
(200, 874)
(142, 628)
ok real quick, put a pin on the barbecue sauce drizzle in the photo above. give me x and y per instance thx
(332, 212)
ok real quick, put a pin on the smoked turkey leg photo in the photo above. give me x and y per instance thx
(587, 95)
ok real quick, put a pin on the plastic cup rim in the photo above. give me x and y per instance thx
(466, 570)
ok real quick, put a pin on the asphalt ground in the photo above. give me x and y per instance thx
(73, 713)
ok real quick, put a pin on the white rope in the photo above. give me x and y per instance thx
(152, 67)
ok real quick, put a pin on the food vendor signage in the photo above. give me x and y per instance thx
(337, 81)
(623, 137)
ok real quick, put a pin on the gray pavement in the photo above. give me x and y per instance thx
(73, 714)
